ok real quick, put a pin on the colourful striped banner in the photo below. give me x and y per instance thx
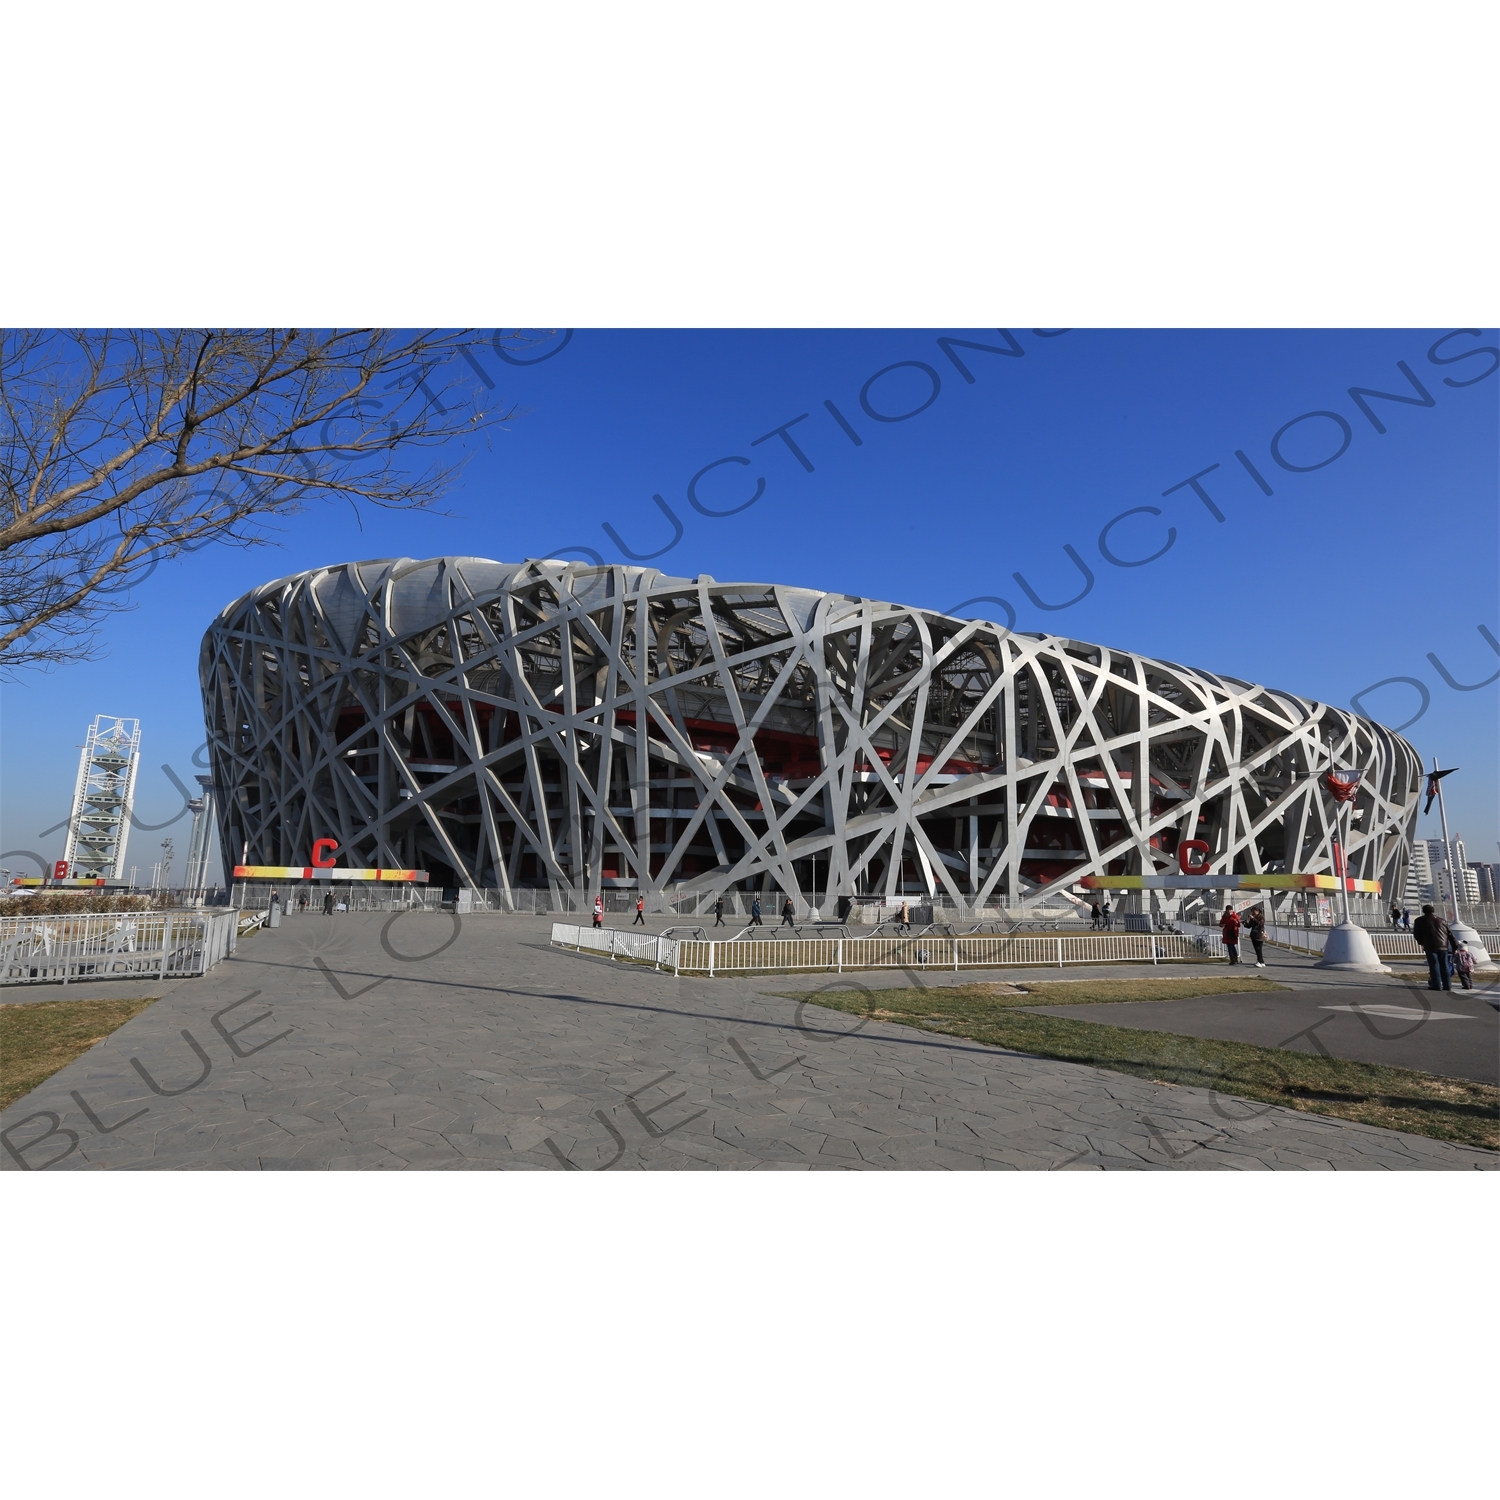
(320, 872)
(1225, 883)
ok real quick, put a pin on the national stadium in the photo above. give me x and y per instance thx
(576, 728)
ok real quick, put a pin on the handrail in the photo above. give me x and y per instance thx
(65, 947)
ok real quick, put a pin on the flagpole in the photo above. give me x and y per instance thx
(1340, 843)
(1447, 847)
(1344, 854)
(1347, 946)
(1347, 803)
(1460, 929)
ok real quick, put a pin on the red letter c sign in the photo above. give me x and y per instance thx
(1185, 849)
(331, 845)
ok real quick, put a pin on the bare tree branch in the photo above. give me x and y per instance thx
(122, 448)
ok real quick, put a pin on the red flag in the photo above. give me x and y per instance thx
(1343, 784)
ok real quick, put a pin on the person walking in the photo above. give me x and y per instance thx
(1396, 918)
(755, 920)
(1108, 915)
(1255, 925)
(788, 914)
(1229, 930)
(719, 912)
(905, 915)
(1405, 919)
(640, 912)
(1096, 917)
(598, 911)
(1435, 938)
(1463, 965)
(328, 904)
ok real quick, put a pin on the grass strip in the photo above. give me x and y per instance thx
(39, 1040)
(1097, 991)
(1446, 1109)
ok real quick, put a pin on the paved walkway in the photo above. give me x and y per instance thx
(426, 1041)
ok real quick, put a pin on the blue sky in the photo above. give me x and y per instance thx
(1349, 573)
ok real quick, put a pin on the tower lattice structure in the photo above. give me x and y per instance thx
(103, 798)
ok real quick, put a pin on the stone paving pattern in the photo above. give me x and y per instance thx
(365, 1041)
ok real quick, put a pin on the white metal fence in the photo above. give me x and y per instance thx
(129, 945)
(921, 951)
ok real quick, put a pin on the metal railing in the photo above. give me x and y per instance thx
(1388, 944)
(657, 949)
(354, 897)
(132, 945)
(619, 901)
(920, 951)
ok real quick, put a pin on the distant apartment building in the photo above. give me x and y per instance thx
(1429, 868)
(1419, 882)
(1468, 885)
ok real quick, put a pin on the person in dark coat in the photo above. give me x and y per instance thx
(1255, 926)
(788, 913)
(328, 904)
(1229, 928)
(1435, 938)
(755, 920)
(719, 912)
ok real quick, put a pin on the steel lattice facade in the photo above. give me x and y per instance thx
(571, 726)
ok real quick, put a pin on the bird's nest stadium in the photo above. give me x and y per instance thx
(574, 728)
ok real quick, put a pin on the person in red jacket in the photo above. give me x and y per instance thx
(1229, 928)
